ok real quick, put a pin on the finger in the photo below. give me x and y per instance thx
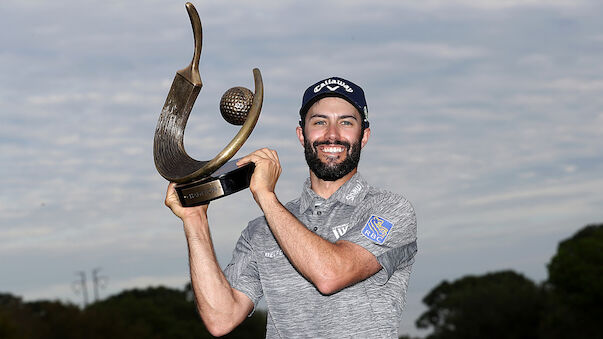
(269, 154)
(171, 196)
(244, 160)
(265, 153)
(170, 189)
(249, 158)
(275, 155)
(259, 158)
(278, 161)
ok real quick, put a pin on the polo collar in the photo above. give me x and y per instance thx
(351, 193)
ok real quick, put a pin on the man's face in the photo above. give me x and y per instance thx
(332, 138)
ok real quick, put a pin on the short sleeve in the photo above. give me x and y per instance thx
(242, 272)
(386, 226)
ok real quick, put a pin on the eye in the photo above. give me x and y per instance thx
(346, 123)
(319, 122)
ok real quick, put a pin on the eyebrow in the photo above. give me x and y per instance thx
(318, 115)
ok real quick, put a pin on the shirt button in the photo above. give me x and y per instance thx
(315, 229)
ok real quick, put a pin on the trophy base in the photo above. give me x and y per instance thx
(227, 180)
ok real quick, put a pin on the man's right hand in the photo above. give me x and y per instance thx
(173, 202)
(221, 307)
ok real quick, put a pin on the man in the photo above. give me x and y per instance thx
(333, 263)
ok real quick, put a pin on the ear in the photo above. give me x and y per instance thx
(365, 137)
(300, 135)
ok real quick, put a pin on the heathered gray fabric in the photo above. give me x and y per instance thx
(369, 309)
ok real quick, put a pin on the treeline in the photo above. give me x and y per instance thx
(568, 305)
(501, 304)
(155, 313)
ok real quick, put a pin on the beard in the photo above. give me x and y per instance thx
(331, 171)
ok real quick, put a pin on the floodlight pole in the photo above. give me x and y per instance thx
(81, 285)
(98, 281)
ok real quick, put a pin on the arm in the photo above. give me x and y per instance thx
(221, 307)
(329, 266)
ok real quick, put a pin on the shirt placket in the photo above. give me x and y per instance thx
(316, 217)
(321, 218)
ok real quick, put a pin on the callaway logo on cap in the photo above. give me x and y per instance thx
(335, 87)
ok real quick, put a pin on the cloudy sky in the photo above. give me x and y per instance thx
(487, 115)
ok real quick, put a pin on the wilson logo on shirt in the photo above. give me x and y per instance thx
(377, 229)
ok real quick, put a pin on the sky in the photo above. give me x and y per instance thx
(487, 115)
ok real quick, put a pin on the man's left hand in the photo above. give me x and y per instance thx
(266, 173)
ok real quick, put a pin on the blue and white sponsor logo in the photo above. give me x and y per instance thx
(377, 229)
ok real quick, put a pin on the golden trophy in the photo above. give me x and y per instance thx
(199, 182)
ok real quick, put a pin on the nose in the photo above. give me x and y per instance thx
(332, 132)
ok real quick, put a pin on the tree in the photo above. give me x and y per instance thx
(154, 312)
(575, 287)
(151, 313)
(495, 305)
(38, 319)
(8, 327)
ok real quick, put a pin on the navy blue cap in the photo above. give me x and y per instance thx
(335, 87)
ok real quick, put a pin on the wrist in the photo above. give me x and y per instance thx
(192, 218)
(266, 199)
(195, 226)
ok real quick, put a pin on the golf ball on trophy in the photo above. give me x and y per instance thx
(235, 105)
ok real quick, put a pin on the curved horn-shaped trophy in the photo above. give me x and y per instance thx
(199, 182)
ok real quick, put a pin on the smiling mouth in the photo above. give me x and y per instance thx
(332, 151)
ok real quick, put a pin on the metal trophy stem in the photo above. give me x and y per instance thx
(199, 181)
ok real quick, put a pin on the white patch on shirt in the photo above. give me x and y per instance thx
(354, 192)
(273, 254)
(340, 230)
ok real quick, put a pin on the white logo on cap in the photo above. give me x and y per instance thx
(333, 88)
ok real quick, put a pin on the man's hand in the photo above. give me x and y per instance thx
(266, 173)
(173, 202)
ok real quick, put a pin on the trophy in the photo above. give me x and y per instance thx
(199, 182)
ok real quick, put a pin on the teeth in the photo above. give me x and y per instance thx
(333, 149)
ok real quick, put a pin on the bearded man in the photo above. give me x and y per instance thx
(334, 262)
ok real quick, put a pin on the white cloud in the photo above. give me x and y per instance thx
(577, 85)
(552, 191)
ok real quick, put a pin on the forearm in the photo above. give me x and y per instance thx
(329, 266)
(220, 306)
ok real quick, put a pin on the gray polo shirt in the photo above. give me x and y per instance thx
(382, 222)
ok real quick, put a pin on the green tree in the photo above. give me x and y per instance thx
(575, 287)
(495, 305)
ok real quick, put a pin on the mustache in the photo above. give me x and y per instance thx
(317, 143)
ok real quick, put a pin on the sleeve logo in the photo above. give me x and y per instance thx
(377, 229)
